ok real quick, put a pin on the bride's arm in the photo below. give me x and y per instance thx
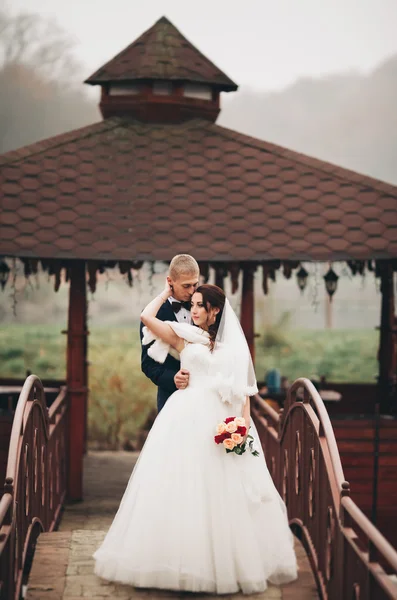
(247, 412)
(157, 327)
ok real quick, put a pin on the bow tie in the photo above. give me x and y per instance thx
(176, 306)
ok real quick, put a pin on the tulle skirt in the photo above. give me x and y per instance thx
(193, 517)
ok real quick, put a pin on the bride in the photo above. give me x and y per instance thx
(195, 517)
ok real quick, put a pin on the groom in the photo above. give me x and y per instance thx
(183, 277)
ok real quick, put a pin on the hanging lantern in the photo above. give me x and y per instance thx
(4, 274)
(301, 278)
(331, 282)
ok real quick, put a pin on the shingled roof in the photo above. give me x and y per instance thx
(162, 53)
(121, 190)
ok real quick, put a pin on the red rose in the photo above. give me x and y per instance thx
(223, 436)
(229, 419)
(241, 430)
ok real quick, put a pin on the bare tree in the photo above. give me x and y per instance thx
(27, 39)
(39, 95)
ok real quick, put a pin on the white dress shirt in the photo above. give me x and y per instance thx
(183, 315)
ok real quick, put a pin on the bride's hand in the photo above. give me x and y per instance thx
(167, 289)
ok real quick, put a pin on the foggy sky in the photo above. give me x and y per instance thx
(263, 44)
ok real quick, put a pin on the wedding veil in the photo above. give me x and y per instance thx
(236, 370)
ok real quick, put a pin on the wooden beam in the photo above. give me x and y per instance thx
(77, 378)
(247, 306)
(387, 341)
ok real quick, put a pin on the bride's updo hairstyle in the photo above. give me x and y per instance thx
(213, 297)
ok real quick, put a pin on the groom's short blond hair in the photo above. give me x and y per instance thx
(183, 264)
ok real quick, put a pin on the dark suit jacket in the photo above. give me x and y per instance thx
(162, 375)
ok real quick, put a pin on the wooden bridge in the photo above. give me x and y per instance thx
(341, 554)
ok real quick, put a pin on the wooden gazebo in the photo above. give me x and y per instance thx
(157, 176)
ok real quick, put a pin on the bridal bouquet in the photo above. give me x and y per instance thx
(231, 434)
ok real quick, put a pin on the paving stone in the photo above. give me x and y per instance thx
(63, 567)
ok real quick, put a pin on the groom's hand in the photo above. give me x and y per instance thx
(181, 379)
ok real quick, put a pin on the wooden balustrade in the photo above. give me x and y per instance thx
(35, 484)
(350, 558)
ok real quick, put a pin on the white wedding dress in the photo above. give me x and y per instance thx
(193, 517)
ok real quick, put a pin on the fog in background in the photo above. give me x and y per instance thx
(316, 76)
(264, 44)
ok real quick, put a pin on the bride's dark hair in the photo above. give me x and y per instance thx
(213, 297)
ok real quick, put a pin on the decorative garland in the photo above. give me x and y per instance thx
(131, 269)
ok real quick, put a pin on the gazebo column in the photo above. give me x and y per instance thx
(247, 306)
(387, 349)
(77, 377)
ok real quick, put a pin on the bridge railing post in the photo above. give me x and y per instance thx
(350, 558)
(30, 503)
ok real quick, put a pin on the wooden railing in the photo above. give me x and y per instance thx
(35, 484)
(350, 558)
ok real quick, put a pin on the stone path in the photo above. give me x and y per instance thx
(63, 564)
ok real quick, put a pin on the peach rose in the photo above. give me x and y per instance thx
(229, 444)
(240, 421)
(237, 438)
(231, 427)
(221, 428)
